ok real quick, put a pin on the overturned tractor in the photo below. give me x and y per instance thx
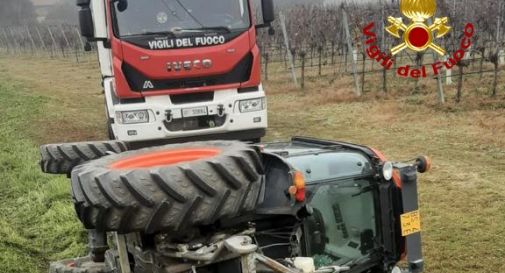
(306, 205)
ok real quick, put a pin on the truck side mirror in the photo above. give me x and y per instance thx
(86, 19)
(82, 3)
(86, 23)
(268, 10)
(122, 5)
(94, 29)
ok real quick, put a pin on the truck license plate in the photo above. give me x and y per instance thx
(194, 112)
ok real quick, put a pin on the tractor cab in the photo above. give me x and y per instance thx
(350, 212)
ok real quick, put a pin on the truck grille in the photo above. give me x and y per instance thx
(240, 73)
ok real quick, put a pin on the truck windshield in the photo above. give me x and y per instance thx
(342, 229)
(137, 17)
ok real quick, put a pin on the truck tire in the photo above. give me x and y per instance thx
(78, 265)
(168, 188)
(62, 158)
(110, 132)
(110, 121)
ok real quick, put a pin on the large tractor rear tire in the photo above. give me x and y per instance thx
(62, 158)
(168, 188)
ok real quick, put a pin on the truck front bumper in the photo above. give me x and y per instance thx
(167, 120)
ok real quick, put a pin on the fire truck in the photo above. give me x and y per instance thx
(178, 70)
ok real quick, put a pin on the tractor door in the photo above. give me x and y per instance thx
(343, 228)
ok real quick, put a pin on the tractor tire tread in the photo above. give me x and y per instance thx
(169, 197)
(62, 158)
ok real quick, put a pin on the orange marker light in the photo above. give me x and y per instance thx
(300, 195)
(429, 163)
(299, 180)
(423, 164)
(299, 184)
(397, 178)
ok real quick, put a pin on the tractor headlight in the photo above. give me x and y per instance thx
(252, 105)
(133, 117)
(387, 170)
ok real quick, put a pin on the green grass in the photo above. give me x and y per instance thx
(37, 221)
(462, 199)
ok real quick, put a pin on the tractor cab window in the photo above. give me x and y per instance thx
(140, 17)
(342, 227)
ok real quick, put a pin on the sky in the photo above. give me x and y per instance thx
(48, 2)
(44, 2)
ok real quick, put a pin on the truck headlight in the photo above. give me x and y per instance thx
(133, 117)
(252, 105)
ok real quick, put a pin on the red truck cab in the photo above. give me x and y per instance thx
(179, 70)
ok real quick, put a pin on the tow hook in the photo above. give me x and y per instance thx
(169, 115)
(220, 110)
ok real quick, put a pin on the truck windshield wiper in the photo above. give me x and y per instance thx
(168, 33)
(204, 29)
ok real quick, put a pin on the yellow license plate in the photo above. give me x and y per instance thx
(411, 223)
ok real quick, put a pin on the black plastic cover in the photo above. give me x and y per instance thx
(240, 73)
(277, 200)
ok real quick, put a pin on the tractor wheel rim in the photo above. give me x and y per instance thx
(164, 158)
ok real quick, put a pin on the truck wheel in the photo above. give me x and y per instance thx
(62, 158)
(168, 188)
(110, 132)
(78, 265)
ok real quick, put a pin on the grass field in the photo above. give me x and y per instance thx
(462, 199)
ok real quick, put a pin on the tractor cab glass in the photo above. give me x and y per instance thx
(342, 229)
(142, 17)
